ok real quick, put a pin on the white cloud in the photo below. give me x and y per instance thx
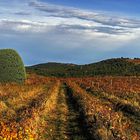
(62, 30)
(99, 17)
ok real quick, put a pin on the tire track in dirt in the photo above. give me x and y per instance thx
(63, 121)
(76, 125)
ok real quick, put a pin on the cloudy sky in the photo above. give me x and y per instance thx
(70, 31)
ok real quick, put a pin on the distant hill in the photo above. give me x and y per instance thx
(110, 67)
(135, 61)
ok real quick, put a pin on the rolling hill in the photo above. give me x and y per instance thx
(109, 67)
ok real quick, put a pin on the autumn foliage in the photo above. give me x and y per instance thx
(108, 107)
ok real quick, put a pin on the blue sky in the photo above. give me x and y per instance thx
(70, 31)
(131, 7)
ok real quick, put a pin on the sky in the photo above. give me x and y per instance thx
(70, 31)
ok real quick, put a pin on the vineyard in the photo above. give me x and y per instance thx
(96, 108)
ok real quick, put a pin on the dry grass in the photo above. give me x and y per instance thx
(102, 120)
(45, 108)
(21, 106)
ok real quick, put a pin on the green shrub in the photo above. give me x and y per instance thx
(11, 67)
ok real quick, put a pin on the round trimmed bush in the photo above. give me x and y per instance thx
(11, 67)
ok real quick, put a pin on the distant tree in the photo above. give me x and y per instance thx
(11, 67)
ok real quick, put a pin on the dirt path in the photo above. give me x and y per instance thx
(51, 115)
(63, 121)
(76, 129)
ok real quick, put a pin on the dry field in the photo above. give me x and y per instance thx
(99, 108)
